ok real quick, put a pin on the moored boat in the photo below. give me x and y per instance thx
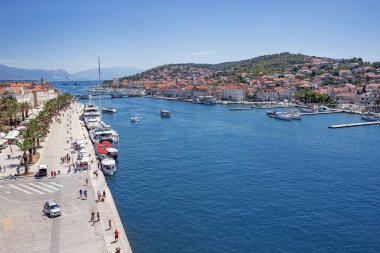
(108, 166)
(283, 116)
(165, 113)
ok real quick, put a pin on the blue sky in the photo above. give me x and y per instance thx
(71, 34)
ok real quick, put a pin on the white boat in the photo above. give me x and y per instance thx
(283, 116)
(136, 119)
(294, 115)
(108, 166)
(323, 109)
(369, 117)
(307, 110)
(165, 113)
(109, 109)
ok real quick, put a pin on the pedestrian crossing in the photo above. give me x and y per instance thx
(38, 188)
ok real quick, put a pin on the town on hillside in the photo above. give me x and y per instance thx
(278, 77)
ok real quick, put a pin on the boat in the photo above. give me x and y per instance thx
(103, 132)
(108, 166)
(271, 114)
(76, 83)
(165, 113)
(109, 109)
(105, 149)
(294, 114)
(136, 119)
(307, 110)
(197, 101)
(369, 117)
(283, 116)
(323, 109)
(117, 95)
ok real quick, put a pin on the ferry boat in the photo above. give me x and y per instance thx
(109, 109)
(136, 119)
(369, 117)
(108, 166)
(294, 114)
(283, 116)
(165, 113)
(103, 132)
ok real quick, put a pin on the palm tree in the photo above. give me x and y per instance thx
(24, 108)
(30, 134)
(25, 146)
(10, 108)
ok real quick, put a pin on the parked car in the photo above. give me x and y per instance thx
(51, 208)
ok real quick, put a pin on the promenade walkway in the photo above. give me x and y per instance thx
(23, 226)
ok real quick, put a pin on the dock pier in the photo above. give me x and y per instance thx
(355, 124)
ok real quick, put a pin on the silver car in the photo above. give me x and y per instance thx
(52, 209)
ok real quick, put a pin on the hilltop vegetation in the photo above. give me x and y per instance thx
(255, 67)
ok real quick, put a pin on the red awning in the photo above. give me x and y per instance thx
(101, 150)
(107, 144)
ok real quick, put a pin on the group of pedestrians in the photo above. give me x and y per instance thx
(83, 194)
(65, 159)
(101, 197)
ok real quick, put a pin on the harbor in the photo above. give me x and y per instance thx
(23, 198)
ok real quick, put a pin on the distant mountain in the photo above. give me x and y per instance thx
(106, 73)
(13, 73)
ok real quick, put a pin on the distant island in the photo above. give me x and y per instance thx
(13, 73)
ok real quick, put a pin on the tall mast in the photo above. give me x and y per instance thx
(100, 93)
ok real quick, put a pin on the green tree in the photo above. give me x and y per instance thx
(24, 108)
(25, 146)
(11, 109)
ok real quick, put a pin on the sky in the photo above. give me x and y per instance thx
(71, 34)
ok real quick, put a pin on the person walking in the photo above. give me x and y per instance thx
(116, 233)
(99, 196)
(109, 224)
(85, 194)
(104, 193)
(98, 215)
(80, 193)
(92, 216)
(86, 181)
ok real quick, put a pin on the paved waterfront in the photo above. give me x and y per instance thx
(24, 227)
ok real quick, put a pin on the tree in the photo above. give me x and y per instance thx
(25, 146)
(24, 108)
(30, 135)
(10, 109)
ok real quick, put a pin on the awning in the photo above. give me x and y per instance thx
(2, 141)
(2, 135)
(85, 160)
(107, 144)
(83, 150)
(101, 150)
(12, 135)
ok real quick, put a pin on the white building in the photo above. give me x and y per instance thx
(236, 94)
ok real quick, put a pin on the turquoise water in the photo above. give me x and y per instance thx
(213, 180)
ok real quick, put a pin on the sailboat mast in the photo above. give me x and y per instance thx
(100, 93)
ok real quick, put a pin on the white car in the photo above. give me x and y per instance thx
(52, 209)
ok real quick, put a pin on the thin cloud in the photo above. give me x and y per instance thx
(201, 53)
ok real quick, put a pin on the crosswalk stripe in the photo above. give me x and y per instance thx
(51, 187)
(30, 188)
(56, 184)
(15, 187)
(40, 187)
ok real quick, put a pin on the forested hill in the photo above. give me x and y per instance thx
(254, 67)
